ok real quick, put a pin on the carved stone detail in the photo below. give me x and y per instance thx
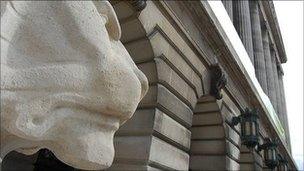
(218, 81)
(67, 82)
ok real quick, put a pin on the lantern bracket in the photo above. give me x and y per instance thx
(235, 120)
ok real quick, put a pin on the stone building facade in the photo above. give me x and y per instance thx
(183, 123)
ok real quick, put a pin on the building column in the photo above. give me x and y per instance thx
(283, 108)
(241, 20)
(229, 8)
(258, 52)
(276, 82)
(268, 64)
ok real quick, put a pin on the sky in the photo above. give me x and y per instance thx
(290, 16)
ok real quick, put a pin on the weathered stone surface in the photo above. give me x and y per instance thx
(149, 69)
(161, 154)
(242, 23)
(132, 167)
(140, 124)
(171, 129)
(140, 50)
(161, 21)
(232, 135)
(232, 164)
(67, 82)
(258, 52)
(207, 162)
(211, 118)
(133, 31)
(170, 77)
(206, 107)
(247, 166)
(208, 132)
(122, 10)
(150, 98)
(162, 47)
(132, 148)
(232, 151)
(230, 104)
(268, 63)
(208, 147)
(176, 108)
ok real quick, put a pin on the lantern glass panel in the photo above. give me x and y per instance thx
(253, 129)
(247, 128)
(274, 155)
(268, 154)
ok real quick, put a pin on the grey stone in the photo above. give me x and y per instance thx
(162, 154)
(207, 119)
(208, 132)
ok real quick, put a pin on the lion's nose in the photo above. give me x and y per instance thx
(143, 81)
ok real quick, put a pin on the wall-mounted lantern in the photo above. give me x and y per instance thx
(270, 153)
(283, 163)
(249, 127)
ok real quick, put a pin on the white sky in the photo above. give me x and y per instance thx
(290, 16)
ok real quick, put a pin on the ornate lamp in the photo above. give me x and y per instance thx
(283, 163)
(249, 127)
(270, 153)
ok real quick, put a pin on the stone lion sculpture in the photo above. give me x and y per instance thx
(67, 82)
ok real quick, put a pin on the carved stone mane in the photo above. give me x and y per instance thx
(218, 81)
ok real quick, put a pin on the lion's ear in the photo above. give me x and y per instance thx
(113, 27)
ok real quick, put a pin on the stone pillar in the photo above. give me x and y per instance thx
(229, 8)
(268, 64)
(283, 108)
(276, 82)
(241, 20)
(258, 52)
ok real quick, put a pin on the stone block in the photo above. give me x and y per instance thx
(140, 50)
(206, 107)
(258, 158)
(208, 132)
(164, 154)
(141, 123)
(132, 167)
(207, 162)
(232, 164)
(123, 10)
(170, 77)
(232, 107)
(247, 158)
(211, 118)
(132, 148)
(228, 115)
(149, 69)
(175, 107)
(150, 98)
(171, 129)
(247, 166)
(132, 30)
(232, 135)
(207, 147)
(232, 150)
(165, 48)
